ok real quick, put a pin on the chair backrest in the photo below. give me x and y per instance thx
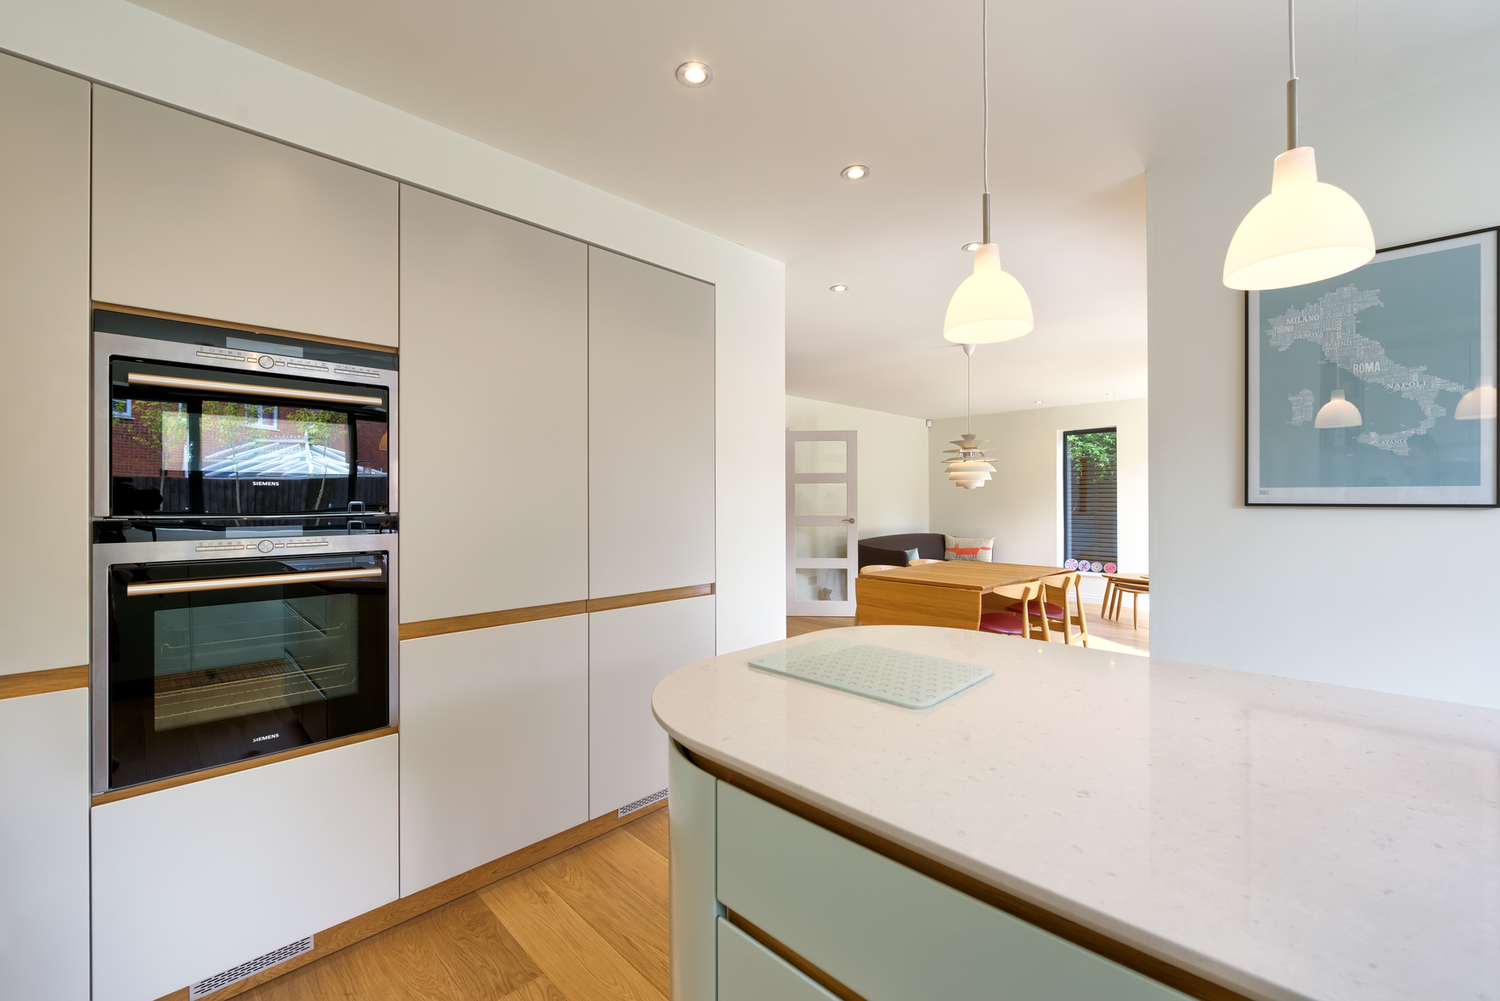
(876, 568)
(1055, 591)
(918, 563)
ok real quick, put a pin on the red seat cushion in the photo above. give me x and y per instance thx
(1053, 611)
(1001, 622)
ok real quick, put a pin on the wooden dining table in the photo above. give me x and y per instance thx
(952, 593)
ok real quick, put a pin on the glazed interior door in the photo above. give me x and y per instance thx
(822, 527)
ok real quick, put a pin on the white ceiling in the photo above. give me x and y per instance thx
(1084, 96)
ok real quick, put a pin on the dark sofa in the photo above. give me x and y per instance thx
(891, 549)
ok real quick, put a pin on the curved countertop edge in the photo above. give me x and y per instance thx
(1236, 981)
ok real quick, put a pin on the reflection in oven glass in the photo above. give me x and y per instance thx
(217, 662)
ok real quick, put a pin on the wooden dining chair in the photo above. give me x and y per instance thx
(1010, 623)
(1053, 606)
(877, 567)
(921, 563)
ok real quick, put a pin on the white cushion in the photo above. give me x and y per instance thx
(955, 548)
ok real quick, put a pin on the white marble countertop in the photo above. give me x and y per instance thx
(1286, 839)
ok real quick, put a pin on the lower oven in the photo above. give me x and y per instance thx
(236, 644)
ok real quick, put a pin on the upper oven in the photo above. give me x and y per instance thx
(197, 421)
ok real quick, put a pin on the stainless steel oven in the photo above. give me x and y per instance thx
(218, 642)
(193, 420)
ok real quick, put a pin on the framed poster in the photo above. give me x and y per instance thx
(1354, 384)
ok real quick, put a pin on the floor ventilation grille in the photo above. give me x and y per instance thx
(630, 808)
(273, 958)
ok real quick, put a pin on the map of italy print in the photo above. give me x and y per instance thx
(1403, 338)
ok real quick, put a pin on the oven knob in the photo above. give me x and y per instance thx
(266, 545)
(266, 361)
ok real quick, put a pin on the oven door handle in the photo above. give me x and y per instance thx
(243, 389)
(225, 583)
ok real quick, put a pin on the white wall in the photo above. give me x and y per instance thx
(891, 462)
(1021, 505)
(1366, 597)
(139, 51)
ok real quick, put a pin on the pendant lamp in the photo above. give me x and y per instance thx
(1304, 230)
(990, 305)
(971, 468)
(1477, 404)
(1338, 413)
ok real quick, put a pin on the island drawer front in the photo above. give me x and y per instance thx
(887, 932)
(748, 971)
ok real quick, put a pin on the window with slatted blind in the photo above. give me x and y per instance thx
(1090, 531)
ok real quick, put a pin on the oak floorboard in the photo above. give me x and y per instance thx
(540, 989)
(571, 954)
(618, 886)
(651, 829)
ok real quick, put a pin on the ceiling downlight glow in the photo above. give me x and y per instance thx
(855, 172)
(971, 247)
(695, 74)
(838, 288)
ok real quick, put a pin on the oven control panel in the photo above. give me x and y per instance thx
(264, 546)
(296, 366)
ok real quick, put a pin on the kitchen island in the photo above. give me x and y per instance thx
(1079, 825)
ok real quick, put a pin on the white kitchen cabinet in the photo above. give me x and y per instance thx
(651, 427)
(494, 744)
(44, 396)
(494, 424)
(193, 880)
(630, 650)
(44, 846)
(195, 217)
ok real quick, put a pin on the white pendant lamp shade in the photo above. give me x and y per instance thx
(1303, 231)
(1477, 404)
(990, 305)
(971, 468)
(1338, 413)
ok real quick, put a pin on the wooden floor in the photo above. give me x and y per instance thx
(588, 924)
(1104, 634)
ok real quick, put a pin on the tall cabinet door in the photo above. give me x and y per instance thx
(44, 331)
(651, 428)
(494, 412)
(198, 218)
(651, 508)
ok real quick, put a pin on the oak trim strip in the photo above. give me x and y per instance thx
(649, 597)
(532, 613)
(238, 766)
(791, 957)
(388, 916)
(57, 679)
(249, 328)
(1189, 983)
(484, 620)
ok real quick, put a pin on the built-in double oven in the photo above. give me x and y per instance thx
(245, 545)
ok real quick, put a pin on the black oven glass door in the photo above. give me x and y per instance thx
(214, 662)
(185, 440)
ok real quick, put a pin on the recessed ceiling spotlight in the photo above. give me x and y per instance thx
(1109, 394)
(695, 74)
(855, 172)
(971, 247)
(838, 288)
(1036, 401)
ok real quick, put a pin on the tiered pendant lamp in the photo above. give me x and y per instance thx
(990, 305)
(971, 468)
(1304, 230)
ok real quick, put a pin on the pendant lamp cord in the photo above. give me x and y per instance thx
(969, 402)
(1291, 84)
(984, 22)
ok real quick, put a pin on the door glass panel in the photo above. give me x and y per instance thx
(820, 499)
(170, 456)
(200, 678)
(822, 542)
(821, 457)
(822, 585)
